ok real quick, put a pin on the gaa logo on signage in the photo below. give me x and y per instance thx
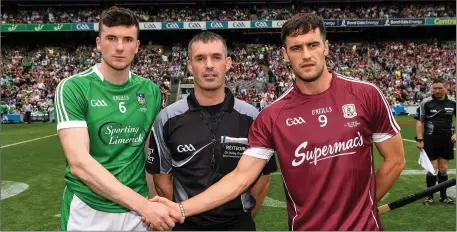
(194, 25)
(261, 24)
(150, 26)
(83, 27)
(238, 24)
(280, 23)
(172, 25)
(217, 25)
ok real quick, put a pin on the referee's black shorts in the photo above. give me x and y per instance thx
(439, 146)
(240, 224)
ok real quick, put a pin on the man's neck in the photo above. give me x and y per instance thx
(209, 98)
(114, 76)
(315, 87)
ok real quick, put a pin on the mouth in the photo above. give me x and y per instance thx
(210, 75)
(306, 65)
(119, 57)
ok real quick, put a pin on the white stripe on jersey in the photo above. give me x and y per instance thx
(393, 123)
(293, 202)
(59, 95)
(369, 192)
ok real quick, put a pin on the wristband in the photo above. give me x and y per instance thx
(418, 140)
(182, 209)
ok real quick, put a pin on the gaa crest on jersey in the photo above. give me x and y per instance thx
(140, 98)
(349, 111)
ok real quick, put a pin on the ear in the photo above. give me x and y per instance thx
(284, 53)
(326, 48)
(137, 46)
(99, 47)
(228, 63)
(189, 66)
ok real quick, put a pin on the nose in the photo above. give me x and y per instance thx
(209, 64)
(306, 55)
(120, 46)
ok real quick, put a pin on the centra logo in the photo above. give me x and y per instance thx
(58, 27)
(12, 28)
(39, 27)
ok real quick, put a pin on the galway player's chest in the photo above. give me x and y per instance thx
(310, 132)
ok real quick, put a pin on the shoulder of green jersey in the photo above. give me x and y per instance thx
(66, 85)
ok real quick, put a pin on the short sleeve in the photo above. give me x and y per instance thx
(260, 138)
(383, 124)
(159, 157)
(420, 112)
(157, 100)
(70, 105)
(270, 167)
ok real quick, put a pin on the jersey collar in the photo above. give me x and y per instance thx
(228, 103)
(100, 75)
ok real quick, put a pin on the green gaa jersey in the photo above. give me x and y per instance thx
(118, 119)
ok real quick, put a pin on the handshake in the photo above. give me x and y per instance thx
(164, 214)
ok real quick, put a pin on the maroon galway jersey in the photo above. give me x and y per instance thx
(325, 151)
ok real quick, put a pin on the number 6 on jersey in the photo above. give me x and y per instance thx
(322, 119)
(122, 107)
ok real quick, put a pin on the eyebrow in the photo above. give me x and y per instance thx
(300, 44)
(212, 54)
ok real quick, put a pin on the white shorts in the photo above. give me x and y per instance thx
(82, 217)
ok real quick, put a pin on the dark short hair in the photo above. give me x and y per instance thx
(205, 37)
(118, 16)
(301, 24)
(439, 80)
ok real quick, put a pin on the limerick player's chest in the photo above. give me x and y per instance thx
(120, 117)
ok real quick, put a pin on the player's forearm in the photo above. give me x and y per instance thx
(419, 126)
(227, 189)
(97, 178)
(259, 192)
(387, 174)
(165, 190)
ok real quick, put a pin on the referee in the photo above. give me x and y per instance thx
(199, 139)
(434, 117)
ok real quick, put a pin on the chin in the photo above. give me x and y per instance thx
(211, 87)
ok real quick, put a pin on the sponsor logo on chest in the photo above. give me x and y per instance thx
(313, 155)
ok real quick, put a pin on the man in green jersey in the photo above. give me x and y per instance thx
(104, 116)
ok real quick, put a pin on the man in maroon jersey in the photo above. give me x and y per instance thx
(322, 130)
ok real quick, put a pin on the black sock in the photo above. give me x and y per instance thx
(431, 181)
(442, 176)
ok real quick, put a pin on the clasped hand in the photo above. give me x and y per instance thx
(164, 214)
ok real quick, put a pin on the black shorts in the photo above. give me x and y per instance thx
(439, 146)
(245, 224)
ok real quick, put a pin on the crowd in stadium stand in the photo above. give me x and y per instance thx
(189, 13)
(402, 70)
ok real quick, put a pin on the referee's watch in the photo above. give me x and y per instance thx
(418, 140)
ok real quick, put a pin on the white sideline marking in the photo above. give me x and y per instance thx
(273, 203)
(385, 196)
(12, 188)
(14, 144)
